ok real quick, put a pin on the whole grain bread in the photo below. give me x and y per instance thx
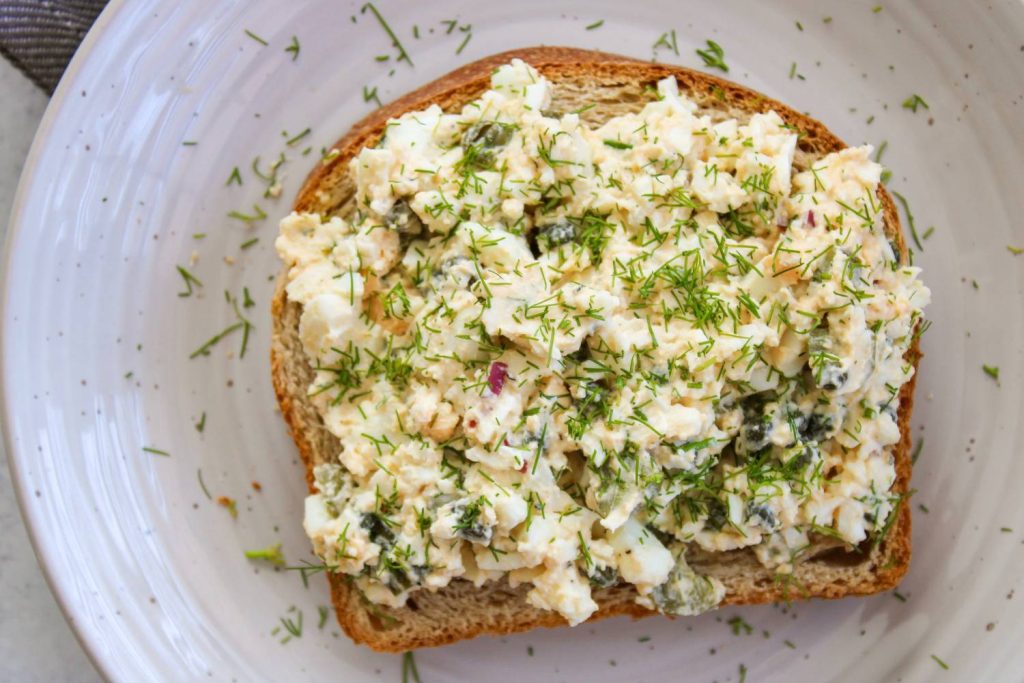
(616, 85)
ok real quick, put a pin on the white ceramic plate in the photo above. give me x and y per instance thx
(96, 342)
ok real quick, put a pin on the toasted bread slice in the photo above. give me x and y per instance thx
(616, 85)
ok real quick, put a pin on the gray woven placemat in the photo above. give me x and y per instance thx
(40, 36)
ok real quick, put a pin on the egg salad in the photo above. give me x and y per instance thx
(567, 355)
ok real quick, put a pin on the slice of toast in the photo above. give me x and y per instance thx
(616, 85)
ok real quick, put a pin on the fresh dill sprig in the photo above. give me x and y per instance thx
(403, 55)
(713, 56)
(255, 37)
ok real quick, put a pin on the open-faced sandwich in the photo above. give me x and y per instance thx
(565, 335)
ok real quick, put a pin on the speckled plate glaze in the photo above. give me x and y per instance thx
(134, 158)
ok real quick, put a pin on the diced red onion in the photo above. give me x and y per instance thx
(781, 219)
(810, 219)
(496, 378)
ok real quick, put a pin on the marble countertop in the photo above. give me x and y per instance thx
(36, 643)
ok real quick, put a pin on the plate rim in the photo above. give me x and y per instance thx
(56, 584)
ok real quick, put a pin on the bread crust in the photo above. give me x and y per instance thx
(439, 618)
